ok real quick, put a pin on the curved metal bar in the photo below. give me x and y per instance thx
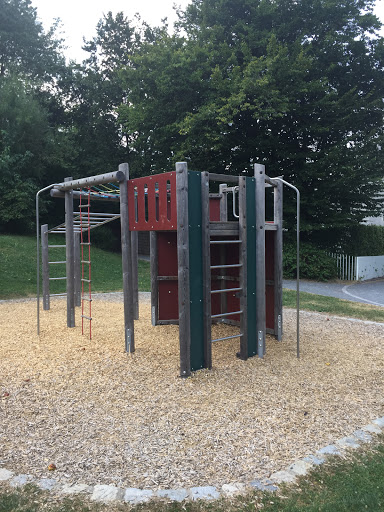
(297, 262)
(38, 253)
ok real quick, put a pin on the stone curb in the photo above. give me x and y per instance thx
(111, 493)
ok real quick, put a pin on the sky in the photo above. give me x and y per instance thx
(79, 17)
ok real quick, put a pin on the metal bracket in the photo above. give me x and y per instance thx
(260, 344)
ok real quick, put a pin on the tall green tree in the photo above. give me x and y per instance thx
(295, 85)
(30, 60)
(24, 45)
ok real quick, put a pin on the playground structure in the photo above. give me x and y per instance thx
(205, 268)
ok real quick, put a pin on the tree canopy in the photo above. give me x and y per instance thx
(298, 86)
(295, 85)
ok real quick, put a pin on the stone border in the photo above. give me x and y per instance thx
(133, 496)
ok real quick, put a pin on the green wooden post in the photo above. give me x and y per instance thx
(190, 275)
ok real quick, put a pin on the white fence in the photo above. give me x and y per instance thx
(346, 266)
(358, 268)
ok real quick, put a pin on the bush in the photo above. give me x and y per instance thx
(314, 263)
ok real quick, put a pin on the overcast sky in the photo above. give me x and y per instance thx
(79, 17)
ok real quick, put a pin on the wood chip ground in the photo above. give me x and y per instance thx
(102, 416)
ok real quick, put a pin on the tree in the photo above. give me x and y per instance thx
(295, 85)
(24, 45)
(92, 93)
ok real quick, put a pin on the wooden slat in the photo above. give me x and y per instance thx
(243, 354)
(260, 256)
(45, 266)
(135, 272)
(154, 278)
(206, 253)
(126, 255)
(278, 270)
(70, 259)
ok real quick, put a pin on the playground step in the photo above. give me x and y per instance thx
(57, 278)
(86, 298)
(86, 317)
(227, 314)
(56, 262)
(55, 246)
(235, 265)
(225, 242)
(225, 290)
(240, 335)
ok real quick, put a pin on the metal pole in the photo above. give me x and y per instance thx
(38, 254)
(297, 262)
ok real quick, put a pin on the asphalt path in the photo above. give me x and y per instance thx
(368, 292)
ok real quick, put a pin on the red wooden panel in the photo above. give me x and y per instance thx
(155, 200)
(167, 253)
(167, 266)
(214, 208)
(168, 300)
(270, 306)
(270, 255)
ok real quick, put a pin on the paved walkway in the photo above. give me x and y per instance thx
(368, 292)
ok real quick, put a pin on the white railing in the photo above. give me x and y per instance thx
(346, 266)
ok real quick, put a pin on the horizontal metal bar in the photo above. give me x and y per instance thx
(224, 290)
(225, 178)
(57, 278)
(85, 243)
(227, 314)
(228, 337)
(86, 280)
(85, 298)
(98, 214)
(55, 262)
(225, 242)
(87, 317)
(54, 246)
(237, 265)
(84, 261)
(58, 231)
(91, 181)
(57, 294)
(82, 206)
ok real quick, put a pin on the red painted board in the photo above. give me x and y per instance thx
(152, 203)
(214, 209)
(167, 267)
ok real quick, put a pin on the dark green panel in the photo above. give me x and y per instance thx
(196, 270)
(251, 265)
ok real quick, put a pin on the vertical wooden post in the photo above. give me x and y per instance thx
(77, 264)
(206, 254)
(183, 272)
(154, 260)
(70, 260)
(278, 270)
(135, 272)
(260, 257)
(243, 269)
(45, 266)
(126, 255)
(223, 202)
